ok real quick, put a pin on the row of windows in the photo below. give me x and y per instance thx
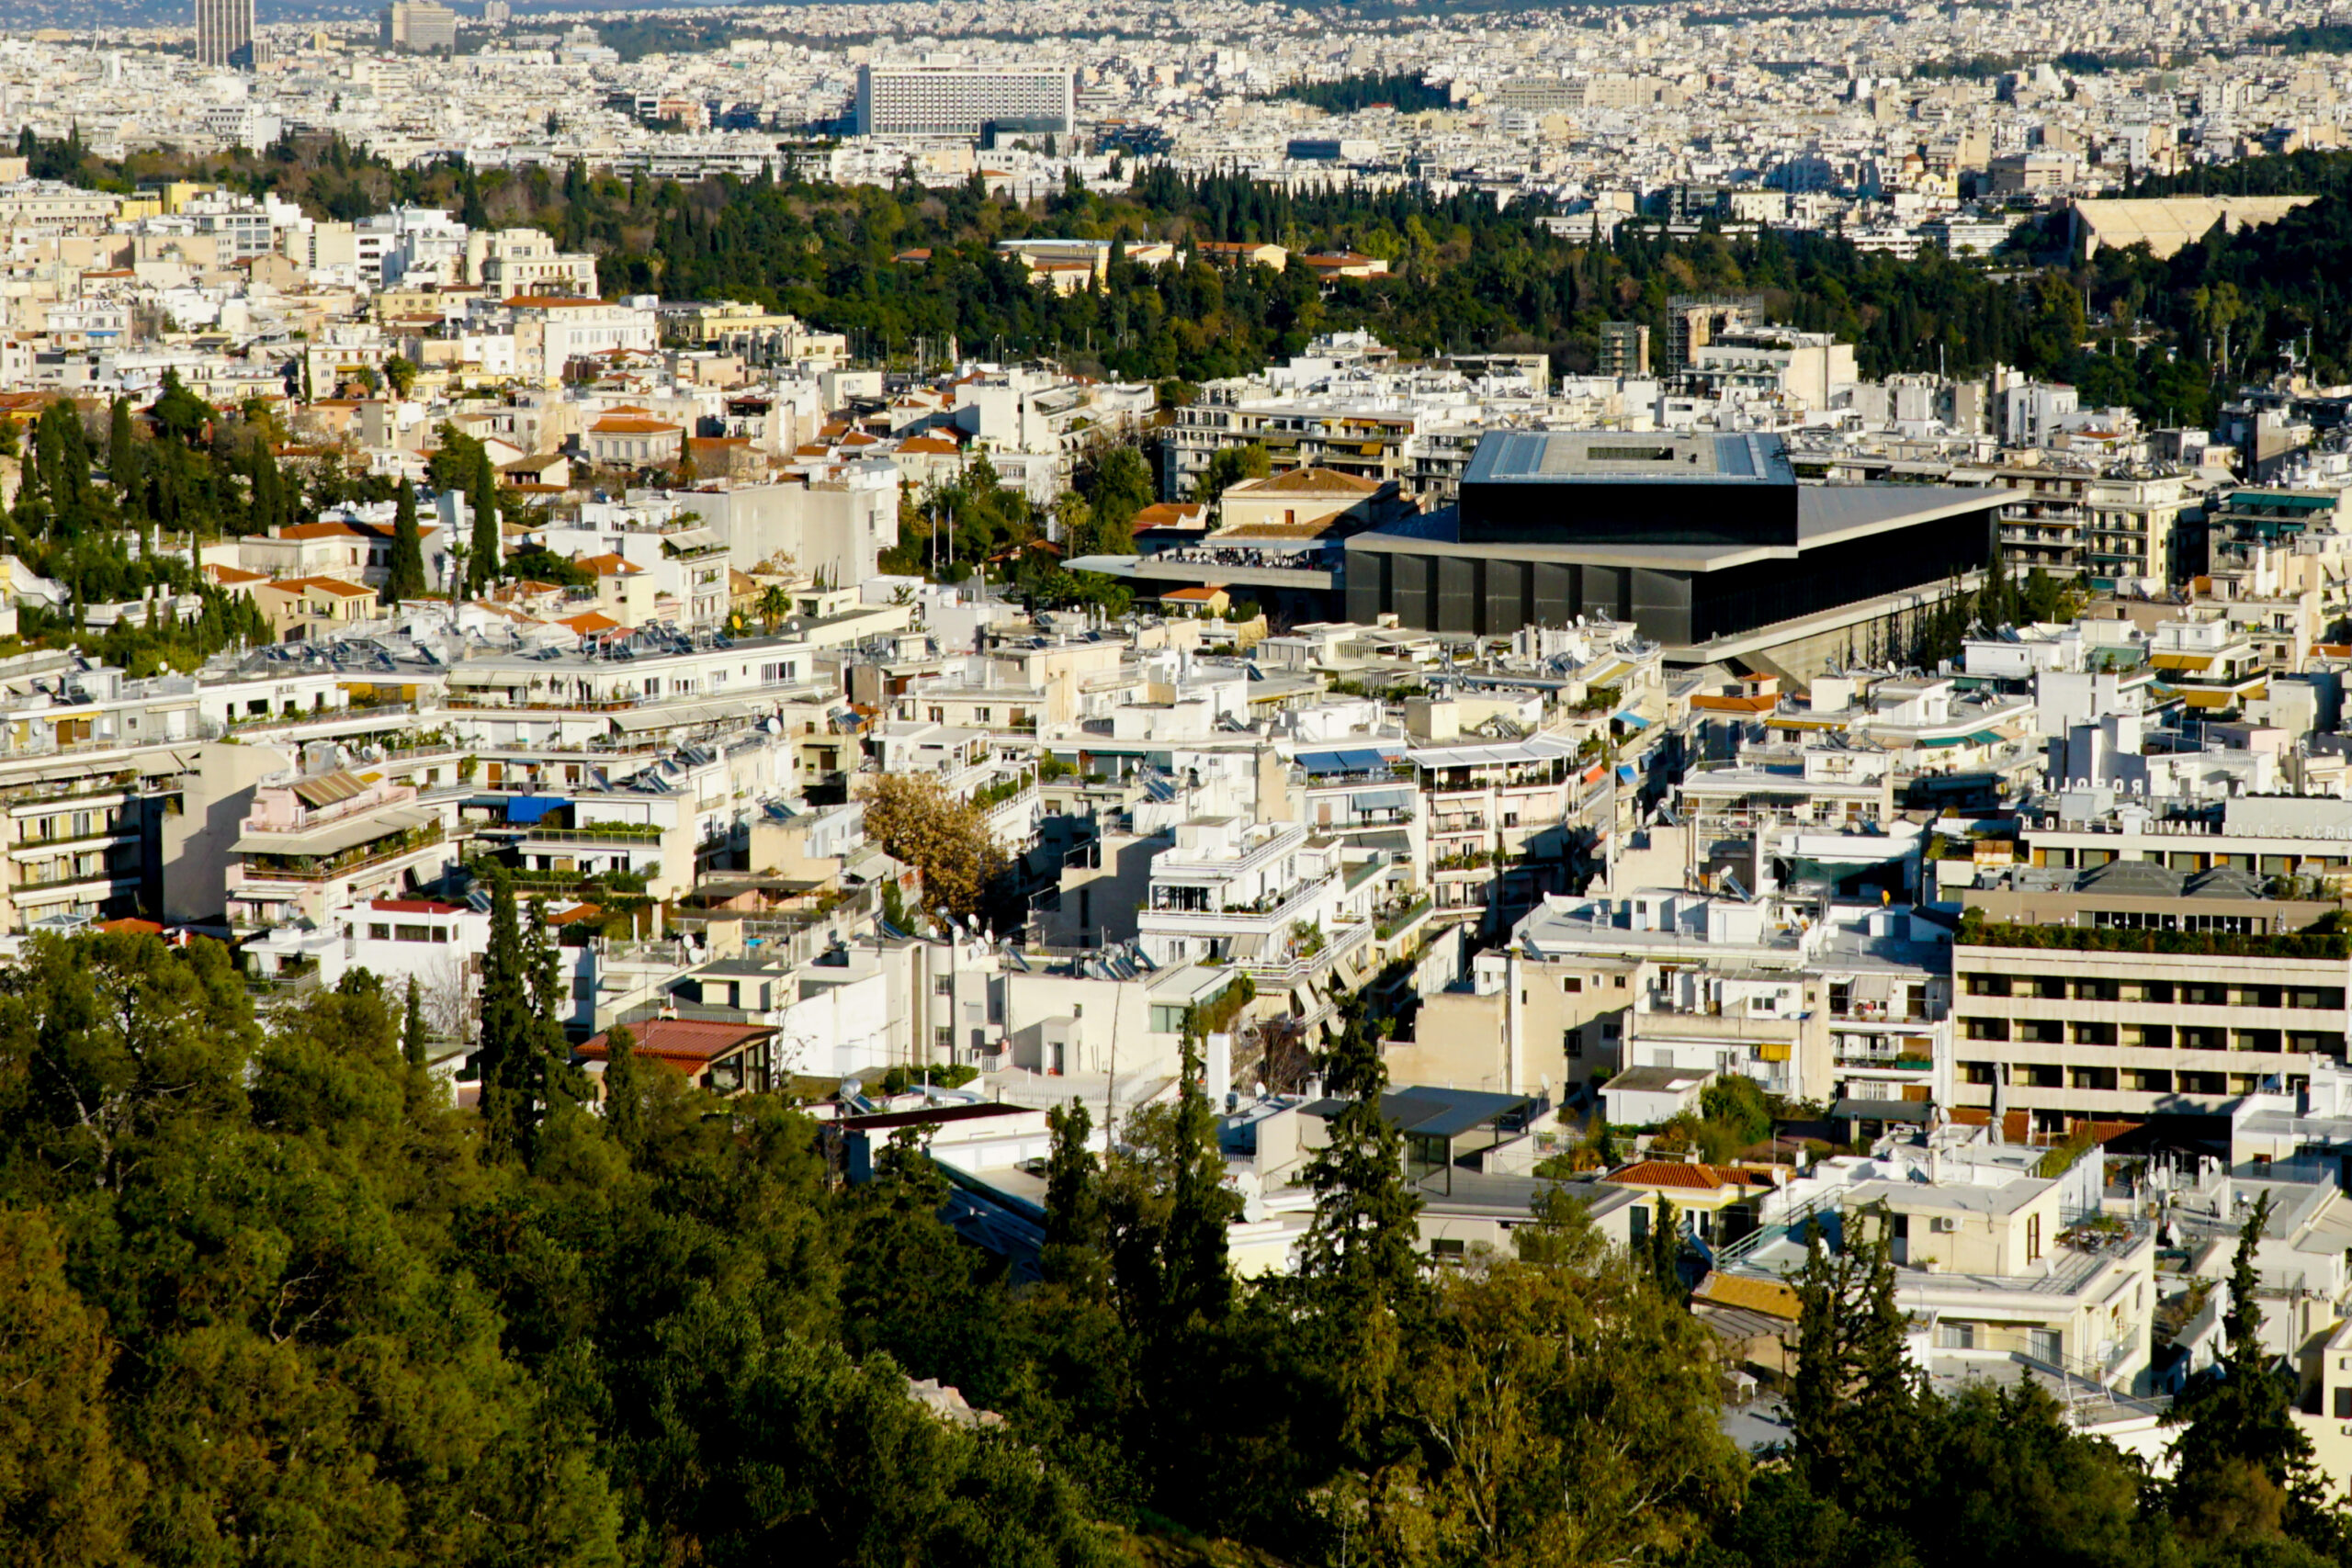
(2168, 993)
(2128, 1080)
(2149, 1036)
(384, 930)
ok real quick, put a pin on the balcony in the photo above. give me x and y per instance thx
(1885, 1061)
(265, 866)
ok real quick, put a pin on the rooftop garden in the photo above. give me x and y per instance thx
(1975, 930)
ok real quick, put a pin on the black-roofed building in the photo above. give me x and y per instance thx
(1707, 541)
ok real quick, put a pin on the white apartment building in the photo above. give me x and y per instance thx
(943, 98)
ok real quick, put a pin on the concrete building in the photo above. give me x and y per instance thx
(421, 27)
(1707, 542)
(940, 99)
(2072, 1022)
(224, 34)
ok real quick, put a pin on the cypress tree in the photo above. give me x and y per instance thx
(488, 552)
(2238, 1433)
(624, 1091)
(406, 578)
(1071, 1254)
(1665, 1251)
(509, 1102)
(122, 461)
(413, 1042)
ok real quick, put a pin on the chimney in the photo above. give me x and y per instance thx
(1217, 1063)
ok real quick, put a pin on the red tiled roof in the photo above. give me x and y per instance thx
(685, 1040)
(1675, 1173)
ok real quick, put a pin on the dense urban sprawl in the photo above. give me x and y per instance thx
(1195, 783)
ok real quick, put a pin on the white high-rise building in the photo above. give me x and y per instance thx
(939, 99)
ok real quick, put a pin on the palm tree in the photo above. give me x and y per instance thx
(457, 568)
(775, 605)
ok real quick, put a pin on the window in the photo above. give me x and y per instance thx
(1450, 1249)
(1572, 1042)
(1571, 984)
(2343, 1404)
(1166, 1019)
(380, 932)
(2033, 1238)
(943, 986)
(409, 933)
(944, 1037)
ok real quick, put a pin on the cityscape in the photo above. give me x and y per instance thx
(1219, 783)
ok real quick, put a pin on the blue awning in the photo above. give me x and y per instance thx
(1351, 759)
(529, 808)
(1636, 720)
(1625, 772)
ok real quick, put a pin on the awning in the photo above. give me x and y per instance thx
(529, 808)
(1629, 717)
(1625, 774)
(1382, 800)
(1346, 759)
(2182, 660)
(1974, 738)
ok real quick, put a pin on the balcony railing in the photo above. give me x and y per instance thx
(319, 868)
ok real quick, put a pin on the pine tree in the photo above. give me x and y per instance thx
(1856, 1399)
(489, 548)
(406, 580)
(412, 1040)
(1359, 1264)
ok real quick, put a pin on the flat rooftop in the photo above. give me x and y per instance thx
(1587, 456)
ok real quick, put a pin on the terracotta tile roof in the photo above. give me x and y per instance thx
(608, 565)
(1675, 1173)
(330, 586)
(587, 622)
(1171, 515)
(1305, 481)
(688, 1041)
(631, 426)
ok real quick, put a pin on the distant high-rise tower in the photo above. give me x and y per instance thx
(224, 33)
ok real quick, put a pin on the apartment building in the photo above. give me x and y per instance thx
(2122, 525)
(2011, 1273)
(319, 842)
(941, 98)
(2066, 1022)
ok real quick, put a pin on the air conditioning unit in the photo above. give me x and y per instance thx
(1946, 1224)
